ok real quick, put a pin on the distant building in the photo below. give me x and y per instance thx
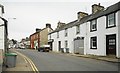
(95, 34)
(27, 43)
(40, 37)
(44, 34)
(34, 39)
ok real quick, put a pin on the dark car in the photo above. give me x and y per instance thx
(44, 48)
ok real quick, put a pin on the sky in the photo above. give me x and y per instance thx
(24, 16)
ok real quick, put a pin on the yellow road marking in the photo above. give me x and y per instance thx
(34, 68)
(25, 60)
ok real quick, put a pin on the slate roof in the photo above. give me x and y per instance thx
(110, 9)
(64, 27)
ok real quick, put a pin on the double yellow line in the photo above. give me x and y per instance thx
(27, 60)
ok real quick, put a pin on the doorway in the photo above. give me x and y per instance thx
(111, 44)
(59, 45)
(79, 45)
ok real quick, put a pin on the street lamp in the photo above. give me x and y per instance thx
(11, 18)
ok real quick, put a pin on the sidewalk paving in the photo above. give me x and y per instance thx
(103, 58)
(111, 58)
(21, 66)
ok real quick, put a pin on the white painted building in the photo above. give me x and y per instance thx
(3, 36)
(95, 34)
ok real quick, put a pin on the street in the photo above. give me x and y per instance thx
(49, 61)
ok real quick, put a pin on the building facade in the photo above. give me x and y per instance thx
(40, 37)
(44, 34)
(95, 34)
(3, 37)
(34, 40)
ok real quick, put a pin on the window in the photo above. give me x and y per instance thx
(50, 36)
(93, 25)
(93, 42)
(66, 32)
(77, 29)
(111, 20)
(66, 44)
(57, 34)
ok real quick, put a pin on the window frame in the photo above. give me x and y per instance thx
(91, 25)
(66, 32)
(66, 44)
(91, 42)
(77, 29)
(108, 25)
(58, 34)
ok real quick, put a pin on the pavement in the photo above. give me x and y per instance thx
(23, 65)
(110, 58)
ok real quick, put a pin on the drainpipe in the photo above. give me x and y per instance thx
(86, 39)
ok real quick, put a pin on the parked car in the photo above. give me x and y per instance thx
(44, 48)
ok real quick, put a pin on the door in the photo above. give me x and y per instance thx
(79, 45)
(59, 45)
(111, 44)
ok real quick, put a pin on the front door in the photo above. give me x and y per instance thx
(111, 44)
(59, 45)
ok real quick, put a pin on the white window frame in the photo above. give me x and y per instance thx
(92, 41)
(77, 29)
(66, 32)
(66, 44)
(93, 23)
(111, 17)
(58, 34)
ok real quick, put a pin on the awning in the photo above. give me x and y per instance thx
(50, 40)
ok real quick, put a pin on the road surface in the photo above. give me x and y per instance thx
(47, 61)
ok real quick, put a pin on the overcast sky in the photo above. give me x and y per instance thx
(32, 14)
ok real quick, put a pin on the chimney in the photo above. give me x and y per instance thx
(96, 8)
(37, 29)
(48, 25)
(81, 15)
(60, 24)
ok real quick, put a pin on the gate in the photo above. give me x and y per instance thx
(79, 45)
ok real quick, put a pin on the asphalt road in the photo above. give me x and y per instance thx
(46, 61)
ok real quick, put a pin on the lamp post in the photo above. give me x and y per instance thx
(8, 25)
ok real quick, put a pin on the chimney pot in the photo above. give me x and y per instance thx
(96, 8)
(81, 15)
(48, 25)
(37, 29)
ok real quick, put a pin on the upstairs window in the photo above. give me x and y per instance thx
(111, 20)
(66, 32)
(93, 42)
(50, 36)
(93, 25)
(57, 34)
(77, 29)
(66, 44)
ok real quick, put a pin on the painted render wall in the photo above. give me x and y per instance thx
(101, 36)
(101, 33)
(70, 37)
(2, 47)
(118, 40)
(1, 35)
(54, 37)
(83, 30)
